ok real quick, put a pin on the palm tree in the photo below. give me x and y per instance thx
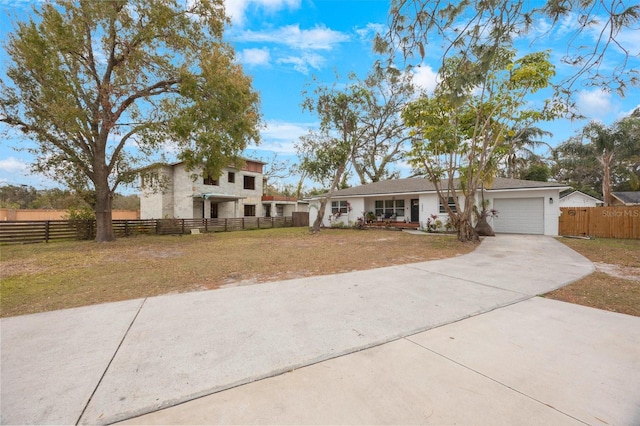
(610, 144)
(520, 149)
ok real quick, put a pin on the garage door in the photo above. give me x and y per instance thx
(519, 215)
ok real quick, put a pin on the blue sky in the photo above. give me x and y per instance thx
(283, 43)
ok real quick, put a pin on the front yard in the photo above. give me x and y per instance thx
(45, 277)
(615, 286)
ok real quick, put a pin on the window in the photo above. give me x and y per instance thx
(452, 205)
(339, 207)
(231, 177)
(388, 208)
(208, 180)
(249, 182)
(249, 210)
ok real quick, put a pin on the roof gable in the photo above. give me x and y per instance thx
(576, 193)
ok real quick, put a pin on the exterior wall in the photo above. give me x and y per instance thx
(156, 199)
(314, 205)
(51, 214)
(429, 204)
(252, 196)
(183, 190)
(181, 195)
(551, 209)
(576, 199)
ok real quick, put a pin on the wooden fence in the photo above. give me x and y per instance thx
(50, 230)
(603, 222)
(300, 219)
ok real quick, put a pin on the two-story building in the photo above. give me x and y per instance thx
(169, 191)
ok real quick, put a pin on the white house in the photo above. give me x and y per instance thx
(170, 191)
(524, 207)
(579, 199)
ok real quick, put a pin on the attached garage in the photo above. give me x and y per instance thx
(519, 215)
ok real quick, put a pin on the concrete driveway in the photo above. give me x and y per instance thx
(404, 344)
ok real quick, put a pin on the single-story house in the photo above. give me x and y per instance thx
(578, 199)
(523, 207)
(628, 198)
(170, 191)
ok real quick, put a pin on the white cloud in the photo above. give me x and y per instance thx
(13, 165)
(624, 114)
(19, 4)
(425, 78)
(318, 38)
(370, 30)
(630, 40)
(303, 62)
(281, 137)
(594, 104)
(236, 9)
(255, 56)
(568, 24)
(16, 171)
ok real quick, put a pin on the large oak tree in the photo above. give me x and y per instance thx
(99, 86)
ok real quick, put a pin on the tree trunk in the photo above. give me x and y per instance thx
(324, 200)
(104, 223)
(466, 232)
(606, 179)
(483, 228)
(318, 222)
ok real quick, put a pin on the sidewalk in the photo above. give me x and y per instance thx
(106, 363)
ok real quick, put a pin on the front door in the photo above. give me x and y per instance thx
(415, 210)
(214, 210)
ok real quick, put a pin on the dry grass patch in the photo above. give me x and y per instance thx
(44, 277)
(616, 284)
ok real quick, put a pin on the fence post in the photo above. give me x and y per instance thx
(258, 223)
(225, 224)
(126, 228)
(243, 223)
(46, 231)
(206, 225)
(183, 226)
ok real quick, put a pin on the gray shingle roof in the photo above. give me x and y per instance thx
(421, 185)
(630, 197)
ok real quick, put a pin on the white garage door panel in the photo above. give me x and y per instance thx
(519, 215)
